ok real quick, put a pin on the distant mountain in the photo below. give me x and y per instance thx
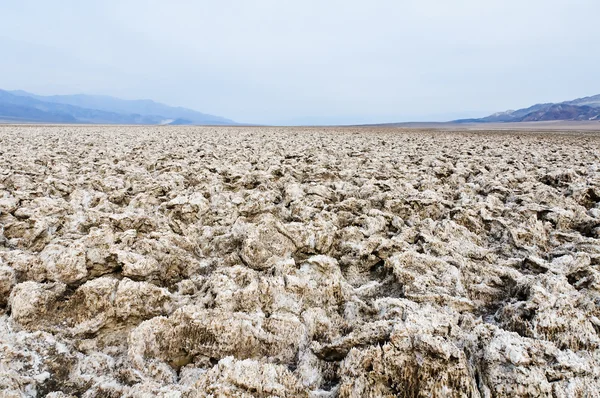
(21, 106)
(580, 109)
(27, 109)
(593, 101)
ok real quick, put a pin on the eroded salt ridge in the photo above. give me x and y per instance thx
(200, 262)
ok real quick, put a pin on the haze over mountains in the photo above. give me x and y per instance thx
(23, 107)
(580, 109)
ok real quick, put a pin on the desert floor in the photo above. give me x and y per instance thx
(298, 262)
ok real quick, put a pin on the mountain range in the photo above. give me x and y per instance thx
(581, 109)
(20, 106)
(23, 107)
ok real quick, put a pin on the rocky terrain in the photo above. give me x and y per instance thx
(271, 262)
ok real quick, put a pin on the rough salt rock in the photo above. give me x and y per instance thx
(32, 364)
(425, 277)
(64, 264)
(136, 265)
(8, 280)
(106, 302)
(192, 332)
(511, 365)
(141, 300)
(31, 303)
(265, 245)
(235, 378)
(553, 311)
(203, 261)
(420, 358)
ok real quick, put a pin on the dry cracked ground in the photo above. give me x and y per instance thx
(266, 262)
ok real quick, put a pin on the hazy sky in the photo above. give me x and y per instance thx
(277, 61)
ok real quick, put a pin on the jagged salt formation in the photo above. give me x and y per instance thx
(241, 262)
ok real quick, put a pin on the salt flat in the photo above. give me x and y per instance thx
(290, 262)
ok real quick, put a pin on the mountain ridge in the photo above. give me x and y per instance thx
(22, 106)
(580, 109)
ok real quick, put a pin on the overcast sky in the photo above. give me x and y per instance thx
(293, 62)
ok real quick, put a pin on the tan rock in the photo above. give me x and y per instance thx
(298, 262)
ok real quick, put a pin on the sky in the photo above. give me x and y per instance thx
(308, 61)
